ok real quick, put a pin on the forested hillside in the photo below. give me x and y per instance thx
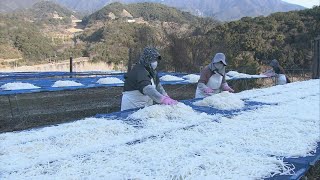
(185, 41)
(11, 5)
(45, 12)
(148, 11)
(19, 38)
(284, 36)
(36, 35)
(224, 10)
(248, 42)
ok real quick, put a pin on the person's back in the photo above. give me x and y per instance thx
(141, 86)
(137, 78)
(281, 77)
(212, 78)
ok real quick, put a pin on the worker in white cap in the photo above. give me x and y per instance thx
(213, 78)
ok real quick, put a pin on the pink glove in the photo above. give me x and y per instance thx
(268, 74)
(226, 87)
(166, 100)
(208, 90)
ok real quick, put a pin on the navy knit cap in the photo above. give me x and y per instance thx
(274, 63)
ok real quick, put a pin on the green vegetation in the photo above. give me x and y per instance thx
(148, 11)
(22, 34)
(283, 36)
(111, 42)
(160, 12)
(43, 12)
(248, 43)
(186, 42)
(24, 37)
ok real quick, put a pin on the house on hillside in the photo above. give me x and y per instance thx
(112, 16)
(55, 15)
(127, 16)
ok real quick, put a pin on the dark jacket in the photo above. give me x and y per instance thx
(140, 77)
(279, 70)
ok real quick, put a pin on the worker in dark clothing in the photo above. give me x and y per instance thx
(278, 72)
(142, 85)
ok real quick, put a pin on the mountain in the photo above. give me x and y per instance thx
(247, 43)
(22, 39)
(147, 11)
(45, 10)
(36, 33)
(225, 10)
(112, 30)
(87, 6)
(11, 5)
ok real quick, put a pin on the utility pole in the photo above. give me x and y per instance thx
(129, 60)
(316, 58)
(71, 55)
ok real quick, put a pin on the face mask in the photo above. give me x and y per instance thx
(154, 64)
(218, 66)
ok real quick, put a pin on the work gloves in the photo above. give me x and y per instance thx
(226, 87)
(166, 100)
(208, 90)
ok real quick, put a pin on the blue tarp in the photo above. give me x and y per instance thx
(32, 75)
(302, 164)
(45, 80)
(45, 83)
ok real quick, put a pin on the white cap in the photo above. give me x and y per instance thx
(219, 57)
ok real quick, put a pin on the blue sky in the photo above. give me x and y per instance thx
(305, 3)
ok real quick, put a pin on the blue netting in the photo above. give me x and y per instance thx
(248, 78)
(302, 164)
(31, 75)
(249, 105)
(47, 79)
(46, 84)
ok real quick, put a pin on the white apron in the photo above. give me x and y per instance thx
(214, 83)
(135, 99)
(281, 79)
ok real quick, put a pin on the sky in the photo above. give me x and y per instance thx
(305, 3)
(164, 142)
